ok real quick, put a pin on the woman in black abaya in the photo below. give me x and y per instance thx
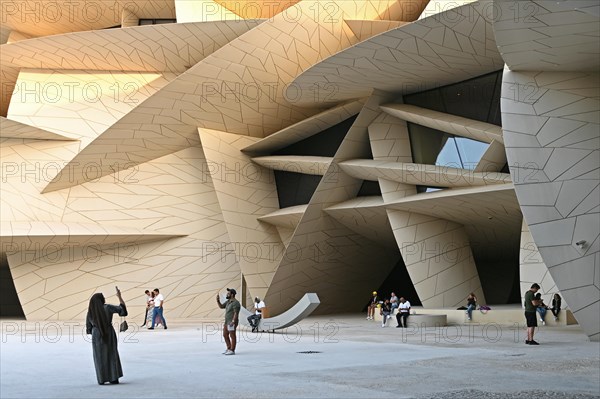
(104, 338)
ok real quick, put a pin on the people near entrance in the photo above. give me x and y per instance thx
(157, 313)
(232, 311)
(148, 298)
(556, 304)
(531, 304)
(403, 313)
(394, 301)
(372, 306)
(385, 311)
(98, 323)
(255, 318)
(471, 305)
(542, 308)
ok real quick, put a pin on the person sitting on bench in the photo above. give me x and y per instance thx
(403, 313)
(255, 318)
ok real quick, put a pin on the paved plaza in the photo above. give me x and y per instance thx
(355, 358)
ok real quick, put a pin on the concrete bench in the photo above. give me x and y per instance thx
(302, 309)
(419, 320)
(502, 315)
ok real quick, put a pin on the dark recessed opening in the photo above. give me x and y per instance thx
(323, 144)
(295, 188)
(398, 282)
(477, 98)
(156, 21)
(369, 188)
(10, 306)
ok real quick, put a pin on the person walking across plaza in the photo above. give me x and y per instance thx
(232, 311)
(159, 300)
(531, 305)
(98, 323)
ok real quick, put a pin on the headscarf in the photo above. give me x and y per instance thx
(98, 315)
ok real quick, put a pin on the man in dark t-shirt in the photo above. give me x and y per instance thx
(232, 311)
(530, 316)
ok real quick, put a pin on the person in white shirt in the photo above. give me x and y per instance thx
(403, 313)
(255, 318)
(159, 300)
(394, 301)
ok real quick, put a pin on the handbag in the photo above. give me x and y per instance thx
(123, 327)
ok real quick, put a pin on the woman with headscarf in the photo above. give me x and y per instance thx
(104, 338)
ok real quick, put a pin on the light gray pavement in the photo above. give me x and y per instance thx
(358, 359)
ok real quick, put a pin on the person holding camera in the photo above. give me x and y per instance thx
(98, 323)
(531, 304)
(232, 311)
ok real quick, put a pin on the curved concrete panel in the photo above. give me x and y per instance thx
(422, 174)
(309, 165)
(553, 151)
(448, 123)
(305, 306)
(548, 35)
(17, 130)
(448, 47)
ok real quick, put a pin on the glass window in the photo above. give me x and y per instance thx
(470, 151)
(449, 155)
(157, 21)
(433, 147)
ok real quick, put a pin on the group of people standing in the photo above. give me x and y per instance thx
(154, 310)
(535, 304)
(386, 309)
(104, 339)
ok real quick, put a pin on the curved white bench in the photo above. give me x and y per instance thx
(304, 307)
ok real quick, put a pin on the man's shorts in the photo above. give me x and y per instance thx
(531, 319)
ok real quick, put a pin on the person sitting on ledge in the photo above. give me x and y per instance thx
(471, 305)
(385, 311)
(541, 308)
(372, 305)
(254, 319)
(403, 313)
(556, 304)
(394, 301)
